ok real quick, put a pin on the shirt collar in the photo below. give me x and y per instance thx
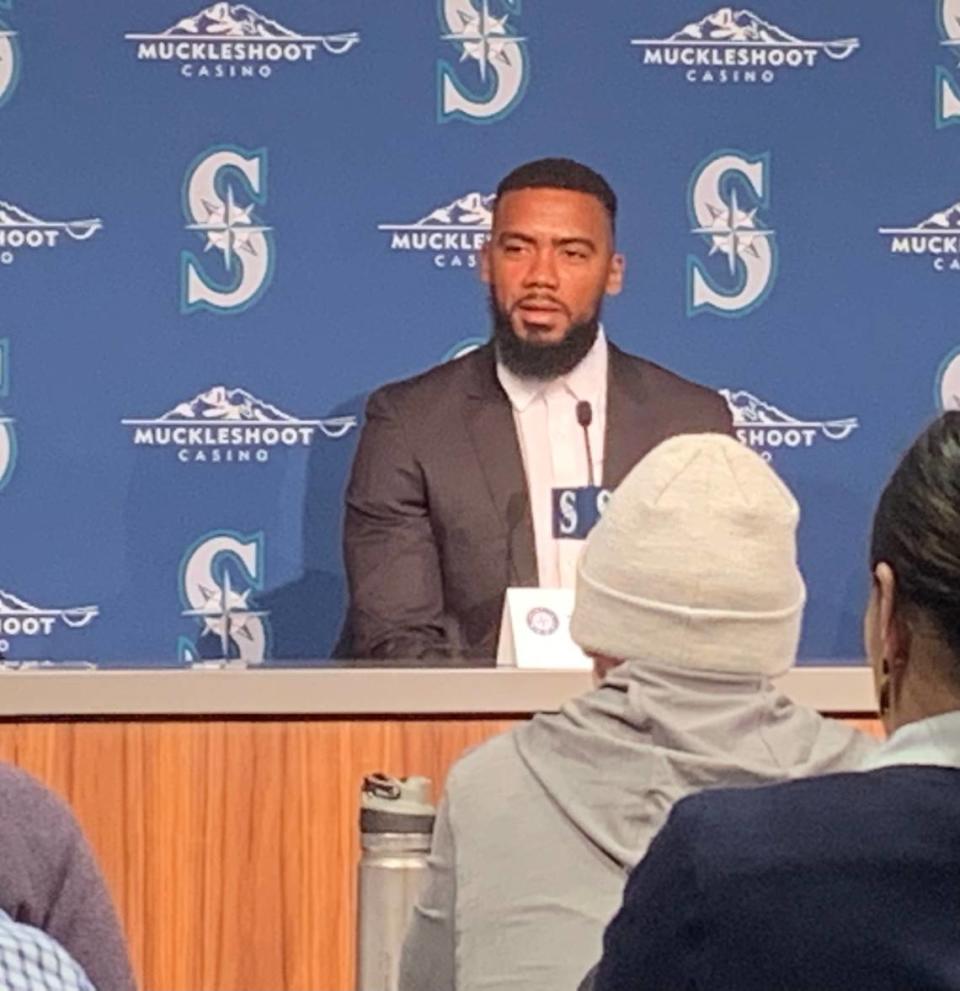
(934, 741)
(585, 381)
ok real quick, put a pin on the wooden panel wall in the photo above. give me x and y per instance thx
(231, 846)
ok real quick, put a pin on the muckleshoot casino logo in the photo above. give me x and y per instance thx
(20, 230)
(234, 41)
(8, 437)
(738, 46)
(231, 426)
(218, 575)
(452, 235)
(9, 59)
(937, 238)
(211, 189)
(489, 78)
(765, 428)
(21, 619)
(726, 193)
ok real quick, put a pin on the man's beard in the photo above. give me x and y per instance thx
(544, 362)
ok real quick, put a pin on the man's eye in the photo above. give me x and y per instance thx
(575, 253)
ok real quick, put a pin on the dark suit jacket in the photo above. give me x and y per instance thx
(438, 520)
(840, 883)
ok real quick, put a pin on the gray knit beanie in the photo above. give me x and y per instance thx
(694, 563)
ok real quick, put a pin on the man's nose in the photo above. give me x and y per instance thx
(542, 270)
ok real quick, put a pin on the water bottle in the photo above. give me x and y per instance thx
(396, 827)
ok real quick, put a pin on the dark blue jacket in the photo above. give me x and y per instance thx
(850, 881)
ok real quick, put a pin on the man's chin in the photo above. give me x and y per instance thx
(541, 334)
(544, 355)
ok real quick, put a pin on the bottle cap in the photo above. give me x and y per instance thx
(396, 805)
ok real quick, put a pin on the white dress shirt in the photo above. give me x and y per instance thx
(933, 741)
(553, 449)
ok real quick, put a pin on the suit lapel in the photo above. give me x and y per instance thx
(629, 433)
(489, 421)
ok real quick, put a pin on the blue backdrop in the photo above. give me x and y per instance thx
(221, 227)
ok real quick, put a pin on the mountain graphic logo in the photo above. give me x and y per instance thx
(239, 39)
(760, 424)
(223, 424)
(21, 618)
(14, 218)
(936, 237)
(738, 45)
(941, 220)
(454, 233)
(20, 229)
(948, 219)
(223, 404)
(226, 20)
(727, 24)
(471, 212)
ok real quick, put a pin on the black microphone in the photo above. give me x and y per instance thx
(585, 418)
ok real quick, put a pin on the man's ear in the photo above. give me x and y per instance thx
(618, 265)
(893, 629)
(485, 262)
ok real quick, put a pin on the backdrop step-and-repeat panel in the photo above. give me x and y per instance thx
(222, 226)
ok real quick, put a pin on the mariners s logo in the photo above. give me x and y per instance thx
(8, 439)
(217, 576)
(9, 60)
(726, 193)
(947, 89)
(493, 88)
(947, 389)
(210, 202)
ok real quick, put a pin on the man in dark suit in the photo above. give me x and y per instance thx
(449, 500)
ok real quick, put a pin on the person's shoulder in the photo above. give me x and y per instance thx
(657, 383)
(18, 785)
(659, 380)
(485, 777)
(28, 804)
(805, 828)
(484, 761)
(439, 382)
(809, 807)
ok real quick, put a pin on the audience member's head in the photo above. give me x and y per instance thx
(693, 564)
(912, 623)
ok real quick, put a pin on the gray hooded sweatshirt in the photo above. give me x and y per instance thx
(539, 827)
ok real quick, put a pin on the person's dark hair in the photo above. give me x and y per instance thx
(916, 528)
(561, 173)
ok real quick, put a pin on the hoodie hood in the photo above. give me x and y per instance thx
(615, 761)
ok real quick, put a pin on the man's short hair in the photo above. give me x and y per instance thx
(561, 173)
